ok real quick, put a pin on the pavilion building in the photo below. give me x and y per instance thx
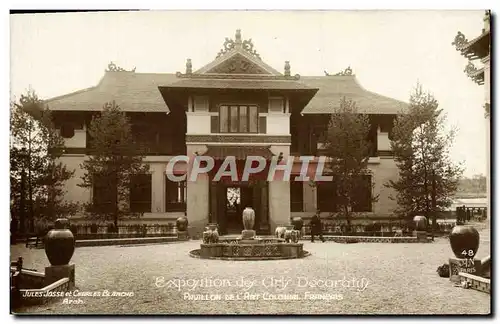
(478, 50)
(235, 105)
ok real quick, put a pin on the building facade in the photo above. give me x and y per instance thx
(478, 50)
(236, 105)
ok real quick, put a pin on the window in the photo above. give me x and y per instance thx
(238, 119)
(140, 193)
(276, 105)
(104, 194)
(363, 195)
(175, 195)
(296, 196)
(326, 196)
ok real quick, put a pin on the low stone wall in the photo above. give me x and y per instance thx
(105, 236)
(43, 295)
(370, 239)
(475, 282)
(125, 241)
(31, 279)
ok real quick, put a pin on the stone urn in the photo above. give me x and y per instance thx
(182, 224)
(464, 241)
(420, 223)
(214, 237)
(248, 218)
(297, 223)
(60, 243)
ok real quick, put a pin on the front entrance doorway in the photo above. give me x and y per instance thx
(237, 198)
(229, 199)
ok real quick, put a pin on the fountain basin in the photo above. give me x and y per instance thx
(255, 249)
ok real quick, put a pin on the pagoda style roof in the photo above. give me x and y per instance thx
(239, 84)
(237, 66)
(139, 92)
(477, 48)
(333, 88)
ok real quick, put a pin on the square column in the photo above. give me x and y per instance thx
(197, 204)
(279, 203)
(309, 200)
(157, 187)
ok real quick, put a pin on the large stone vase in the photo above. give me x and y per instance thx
(59, 243)
(182, 224)
(420, 223)
(248, 218)
(464, 241)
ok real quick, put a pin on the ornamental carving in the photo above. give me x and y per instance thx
(238, 65)
(470, 69)
(459, 41)
(347, 71)
(477, 75)
(112, 67)
(230, 44)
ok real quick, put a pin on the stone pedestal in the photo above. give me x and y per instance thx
(420, 235)
(247, 234)
(470, 266)
(182, 236)
(54, 273)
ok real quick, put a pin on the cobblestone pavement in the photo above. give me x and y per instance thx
(360, 278)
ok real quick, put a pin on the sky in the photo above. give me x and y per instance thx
(388, 51)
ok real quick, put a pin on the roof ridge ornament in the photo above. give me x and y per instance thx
(459, 41)
(230, 44)
(347, 71)
(112, 67)
(472, 72)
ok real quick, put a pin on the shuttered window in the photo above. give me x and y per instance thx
(238, 119)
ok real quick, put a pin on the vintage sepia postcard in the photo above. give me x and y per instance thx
(250, 162)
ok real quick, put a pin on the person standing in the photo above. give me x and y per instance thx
(316, 226)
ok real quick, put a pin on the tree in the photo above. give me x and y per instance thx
(427, 176)
(37, 175)
(114, 160)
(348, 150)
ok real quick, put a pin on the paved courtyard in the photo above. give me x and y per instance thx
(361, 278)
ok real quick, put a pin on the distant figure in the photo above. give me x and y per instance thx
(316, 227)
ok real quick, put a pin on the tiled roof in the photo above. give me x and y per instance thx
(333, 88)
(240, 84)
(138, 92)
(134, 92)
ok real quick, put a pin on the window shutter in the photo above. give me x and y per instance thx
(262, 125)
(214, 124)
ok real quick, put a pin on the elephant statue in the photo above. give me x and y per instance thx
(292, 236)
(280, 232)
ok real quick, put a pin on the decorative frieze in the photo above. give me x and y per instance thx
(222, 138)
